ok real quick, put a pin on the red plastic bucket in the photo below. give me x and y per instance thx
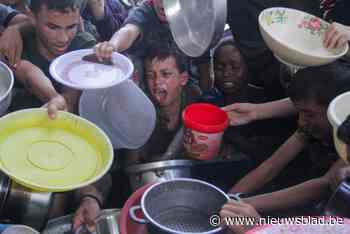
(204, 127)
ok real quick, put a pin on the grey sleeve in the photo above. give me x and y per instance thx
(6, 14)
(141, 16)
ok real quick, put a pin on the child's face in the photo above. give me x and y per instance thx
(164, 80)
(56, 30)
(158, 7)
(313, 120)
(229, 69)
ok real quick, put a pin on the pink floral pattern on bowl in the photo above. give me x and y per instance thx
(314, 25)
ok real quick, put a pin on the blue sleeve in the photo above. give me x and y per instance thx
(141, 16)
(6, 14)
(115, 14)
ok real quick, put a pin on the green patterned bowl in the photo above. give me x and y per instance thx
(297, 37)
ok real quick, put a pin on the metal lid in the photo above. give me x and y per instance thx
(196, 25)
(156, 165)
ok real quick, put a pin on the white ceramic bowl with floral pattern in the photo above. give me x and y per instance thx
(297, 37)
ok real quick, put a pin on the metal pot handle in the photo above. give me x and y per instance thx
(132, 213)
(235, 196)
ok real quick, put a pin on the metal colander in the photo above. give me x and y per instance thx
(183, 205)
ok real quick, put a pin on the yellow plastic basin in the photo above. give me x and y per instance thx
(53, 155)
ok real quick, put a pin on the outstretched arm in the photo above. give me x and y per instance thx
(311, 191)
(39, 85)
(121, 40)
(244, 113)
(270, 168)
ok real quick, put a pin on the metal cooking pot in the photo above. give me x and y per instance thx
(196, 25)
(26, 206)
(143, 174)
(4, 190)
(6, 85)
(22, 205)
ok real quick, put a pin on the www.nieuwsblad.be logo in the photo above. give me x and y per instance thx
(216, 221)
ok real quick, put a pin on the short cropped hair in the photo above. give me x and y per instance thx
(320, 84)
(167, 50)
(59, 5)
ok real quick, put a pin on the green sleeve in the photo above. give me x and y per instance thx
(29, 45)
(83, 40)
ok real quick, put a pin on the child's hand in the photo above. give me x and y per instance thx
(336, 36)
(238, 209)
(11, 45)
(241, 113)
(56, 104)
(104, 50)
(86, 214)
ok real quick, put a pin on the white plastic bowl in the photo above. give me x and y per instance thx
(123, 112)
(297, 37)
(20, 229)
(71, 71)
(338, 111)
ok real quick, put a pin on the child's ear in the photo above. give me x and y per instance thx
(184, 78)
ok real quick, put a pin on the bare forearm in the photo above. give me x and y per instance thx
(125, 37)
(20, 20)
(270, 168)
(23, 25)
(306, 193)
(72, 98)
(275, 109)
(99, 189)
(35, 81)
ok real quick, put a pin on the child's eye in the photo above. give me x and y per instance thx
(149, 75)
(167, 74)
(52, 27)
(73, 27)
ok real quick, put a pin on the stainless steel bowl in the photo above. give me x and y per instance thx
(143, 174)
(108, 223)
(63, 225)
(6, 85)
(196, 25)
